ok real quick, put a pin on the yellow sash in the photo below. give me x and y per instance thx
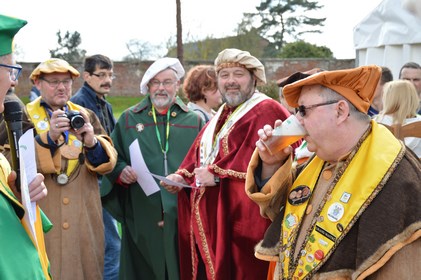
(345, 201)
(41, 122)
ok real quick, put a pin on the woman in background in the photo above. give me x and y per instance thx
(202, 91)
(400, 104)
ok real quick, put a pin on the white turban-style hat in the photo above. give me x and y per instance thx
(159, 66)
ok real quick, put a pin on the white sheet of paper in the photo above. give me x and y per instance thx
(144, 177)
(172, 183)
(28, 170)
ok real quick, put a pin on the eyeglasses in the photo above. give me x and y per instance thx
(103, 75)
(302, 109)
(55, 83)
(157, 84)
(14, 71)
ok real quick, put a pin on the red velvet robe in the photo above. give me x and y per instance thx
(222, 221)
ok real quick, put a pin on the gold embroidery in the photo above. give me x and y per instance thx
(185, 172)
(224, 140)
(229, 172)
(202, 236)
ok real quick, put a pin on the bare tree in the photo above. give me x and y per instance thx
(140, 50)
(180, 51)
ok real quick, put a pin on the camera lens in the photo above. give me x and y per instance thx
(77, 122)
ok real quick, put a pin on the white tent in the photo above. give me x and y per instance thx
(389, 36)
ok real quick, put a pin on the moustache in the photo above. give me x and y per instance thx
(232, 87)
(162, 92)
(106, 85)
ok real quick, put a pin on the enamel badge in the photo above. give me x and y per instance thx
(299, 195)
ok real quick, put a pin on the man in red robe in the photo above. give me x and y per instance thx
(218, 224)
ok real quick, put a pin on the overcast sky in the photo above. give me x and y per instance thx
(106, 26)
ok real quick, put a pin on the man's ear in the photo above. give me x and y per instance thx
(85, 75)
(342, 109)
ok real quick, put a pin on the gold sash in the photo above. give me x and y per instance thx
(344, 203)
(41, 122)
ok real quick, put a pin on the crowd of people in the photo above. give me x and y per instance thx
(188, 191)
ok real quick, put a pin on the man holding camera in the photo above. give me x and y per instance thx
(71, 148)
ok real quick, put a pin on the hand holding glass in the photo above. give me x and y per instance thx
(289, 132)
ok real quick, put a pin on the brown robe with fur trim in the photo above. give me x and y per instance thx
(75, 244)
(385, 243)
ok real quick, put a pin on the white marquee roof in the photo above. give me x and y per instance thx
(388, 24)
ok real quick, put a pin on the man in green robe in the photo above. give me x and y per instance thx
(163, 129)
(22, 250)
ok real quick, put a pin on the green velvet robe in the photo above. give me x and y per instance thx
(19, 257)
(147, 250)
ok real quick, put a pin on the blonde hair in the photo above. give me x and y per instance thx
(400, 101)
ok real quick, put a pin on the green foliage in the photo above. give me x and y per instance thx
(69, 47)
(301, 49)
(209, 48)
(25, 99)
(279, 18)
(271, 89)
(121, 103)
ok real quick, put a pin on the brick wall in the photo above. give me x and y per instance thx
(129, 74)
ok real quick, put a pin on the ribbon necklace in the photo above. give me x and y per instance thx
(158, 135)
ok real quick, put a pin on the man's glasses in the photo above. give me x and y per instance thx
(302, 109)
(55, 83)
(156, 84)
(14, 71)
(103, 75)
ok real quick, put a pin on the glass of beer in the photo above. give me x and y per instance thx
(289, 132)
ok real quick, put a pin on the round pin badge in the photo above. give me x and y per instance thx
(310, 258)
(319, 255)
(299, 195)
(335, 212)
(42, 125)
(62, 179)
(77, 143)
(140, 127)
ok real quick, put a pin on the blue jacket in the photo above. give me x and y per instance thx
(87, 98)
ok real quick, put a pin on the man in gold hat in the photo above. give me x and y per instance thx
(71, 149)
(218, 225)
(22, 254)
(359, 213)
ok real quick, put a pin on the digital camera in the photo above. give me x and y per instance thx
(75, 118)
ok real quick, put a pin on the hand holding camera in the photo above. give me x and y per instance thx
(77, 122)
(75, 118)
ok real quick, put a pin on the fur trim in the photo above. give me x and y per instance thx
(265, 253)
(342, 274)
(387, 250)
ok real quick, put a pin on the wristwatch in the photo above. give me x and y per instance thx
(216, 179)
